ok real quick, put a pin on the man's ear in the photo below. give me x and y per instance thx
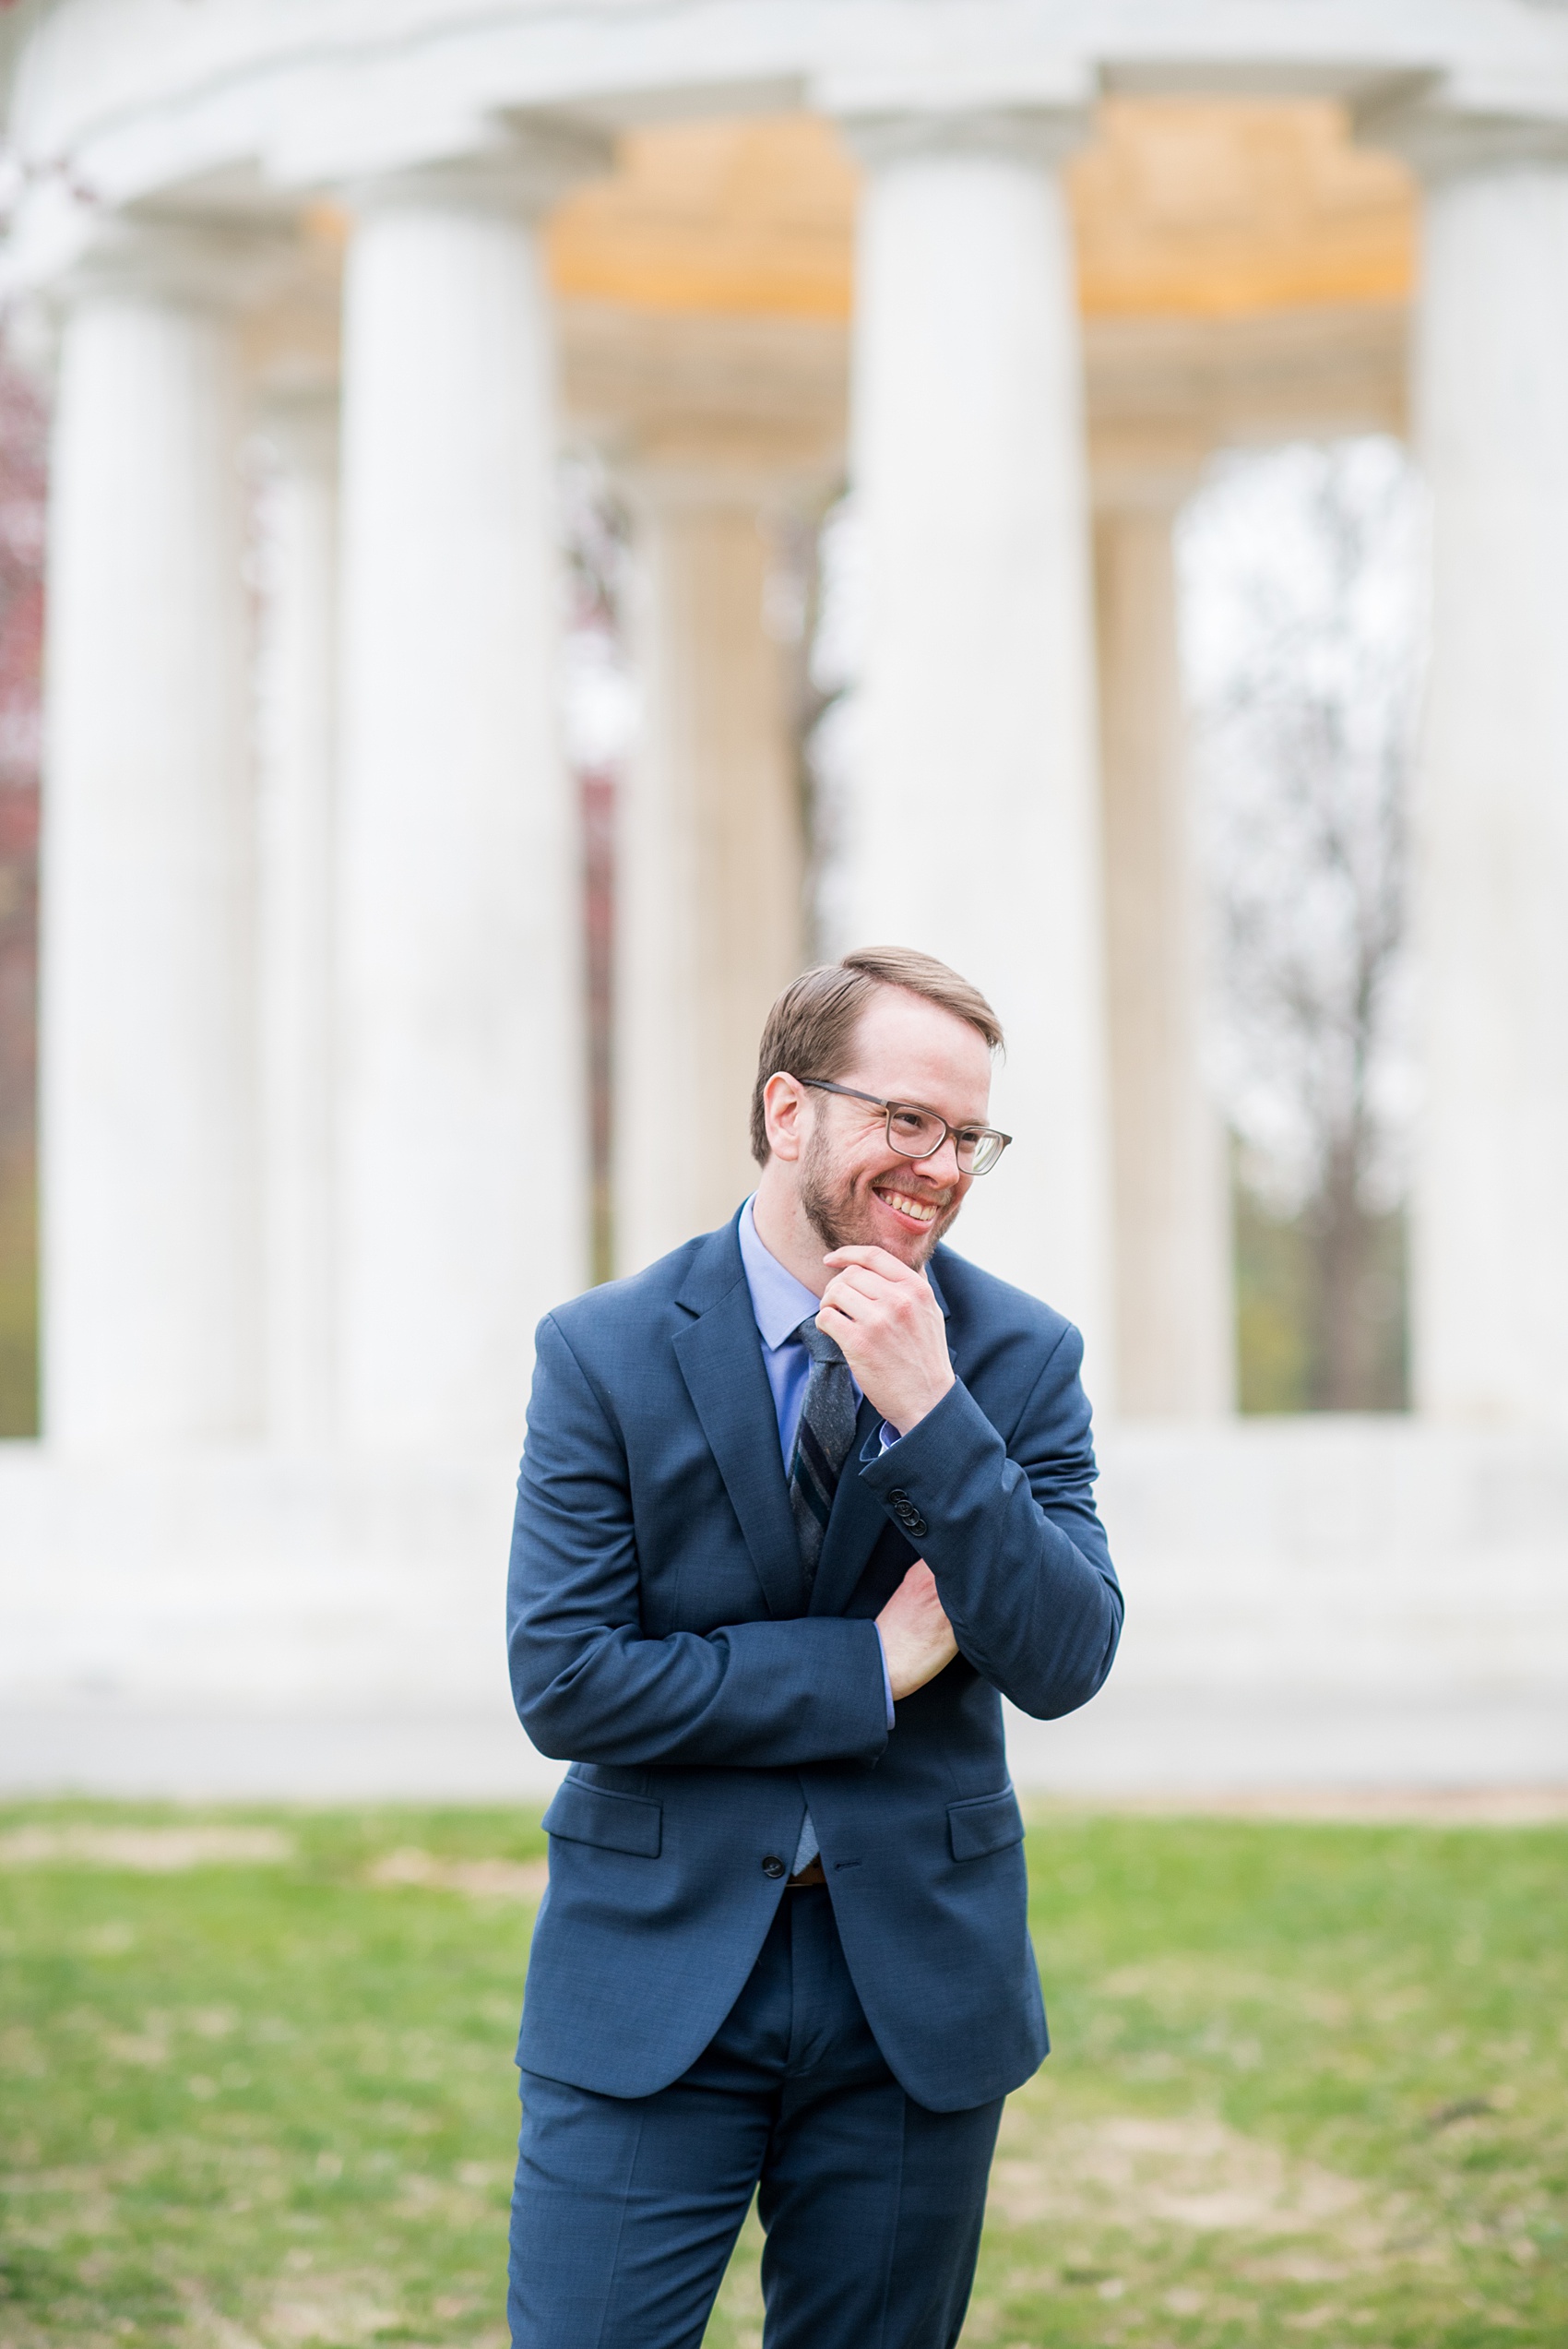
(785, 1109)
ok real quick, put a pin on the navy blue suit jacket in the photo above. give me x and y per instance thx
(661, 1641)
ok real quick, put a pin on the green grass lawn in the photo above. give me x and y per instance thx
(1308, 2085)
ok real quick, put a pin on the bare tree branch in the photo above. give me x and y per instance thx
(1302, 574)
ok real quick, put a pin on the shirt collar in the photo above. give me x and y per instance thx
(780, 1301)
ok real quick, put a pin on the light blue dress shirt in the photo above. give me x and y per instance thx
(779, 1304)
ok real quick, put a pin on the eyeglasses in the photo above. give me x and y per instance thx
(914, 1132)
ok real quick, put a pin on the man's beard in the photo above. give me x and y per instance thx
(832, 1210)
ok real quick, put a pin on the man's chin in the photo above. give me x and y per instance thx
(913, 1248)
(858, 1225)
(924, 1247)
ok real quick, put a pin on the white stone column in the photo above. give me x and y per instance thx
(149, 1058)
(974, 832)
(297, 718)
(709, 860)
(1489, 1222)
(463, 1209)
(1174, 1307)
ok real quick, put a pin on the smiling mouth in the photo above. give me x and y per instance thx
(923, 1211)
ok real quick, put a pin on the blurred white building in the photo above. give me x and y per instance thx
(314, 1125)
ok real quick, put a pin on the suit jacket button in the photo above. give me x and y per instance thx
(906, 1512)
(772, 1867)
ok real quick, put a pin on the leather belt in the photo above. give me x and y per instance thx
(811, 1874)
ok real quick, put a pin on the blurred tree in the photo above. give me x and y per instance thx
(23, 446)
(1302, 575)
(599, 716)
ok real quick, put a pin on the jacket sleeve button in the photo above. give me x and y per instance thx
(772, 1865)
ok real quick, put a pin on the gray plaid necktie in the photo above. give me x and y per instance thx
(822, 1444)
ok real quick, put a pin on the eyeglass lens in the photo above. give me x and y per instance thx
(916, 1134)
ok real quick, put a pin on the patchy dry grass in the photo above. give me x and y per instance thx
(255, 2086)
(1311, 2083)
(268, 2100)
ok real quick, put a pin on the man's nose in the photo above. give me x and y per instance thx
(942, 1165)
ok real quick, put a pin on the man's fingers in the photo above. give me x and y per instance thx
(855, 1283)
(867, 1281)
(875, 1260)
(854, 1305)
(918, 1592)
(832, 1305)
(859, 1278)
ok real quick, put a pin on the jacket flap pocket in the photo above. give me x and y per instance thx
(985, 1823)
(616, 1822)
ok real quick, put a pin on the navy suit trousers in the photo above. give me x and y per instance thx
(626, 2209)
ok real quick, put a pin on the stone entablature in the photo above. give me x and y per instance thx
(256, 106)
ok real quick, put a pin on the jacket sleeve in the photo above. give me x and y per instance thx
(589, 1686)
(1010, 1531)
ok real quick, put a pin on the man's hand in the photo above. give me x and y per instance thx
(891, 1329)
(916, 1638)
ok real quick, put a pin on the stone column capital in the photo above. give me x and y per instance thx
(523, 168)
(1039, 118)
(1040, 135)
(194, 264)
(1443, 136)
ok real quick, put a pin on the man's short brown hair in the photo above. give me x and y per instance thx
(811, 1029)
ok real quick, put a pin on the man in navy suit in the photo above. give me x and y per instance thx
(796, 1504)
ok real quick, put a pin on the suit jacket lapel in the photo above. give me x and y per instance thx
(720, 1359)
